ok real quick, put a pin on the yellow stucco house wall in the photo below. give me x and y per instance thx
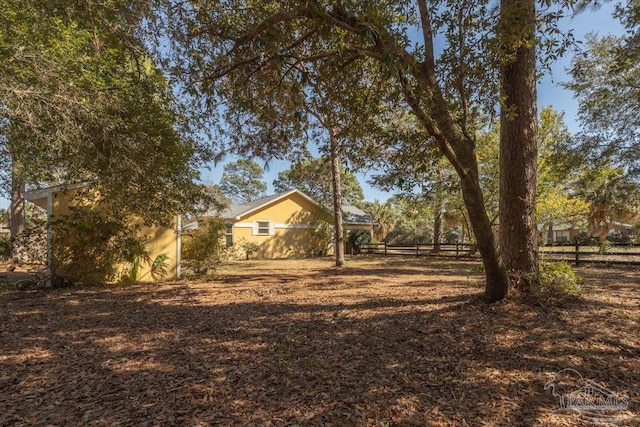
(63, 256)
(286, 225)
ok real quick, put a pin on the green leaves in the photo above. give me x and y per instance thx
(203, 247)
(242, 182)
(604, 83)
(557, 201)
(311, 177)
(82, 101)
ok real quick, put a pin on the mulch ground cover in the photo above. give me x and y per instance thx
(384, 342)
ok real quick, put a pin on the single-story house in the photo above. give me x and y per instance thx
(560, 234)
(567, 233)
(289, 224)
(77, 233)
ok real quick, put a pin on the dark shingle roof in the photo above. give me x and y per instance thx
(236, 211)
(354, 215)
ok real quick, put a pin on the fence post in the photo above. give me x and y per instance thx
(385, 247)
(577, 253)
(417, 249)
(457, 250)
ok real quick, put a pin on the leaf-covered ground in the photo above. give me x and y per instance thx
(387, 341)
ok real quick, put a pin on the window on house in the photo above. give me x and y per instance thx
(263, 228)
(228, 234)
(562, 236)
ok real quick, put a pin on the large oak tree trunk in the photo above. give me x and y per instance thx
(437, 230)
(518, 143)
(459, 149)
(337, 199)
(497, 282)
(437, 220)
(17, 222)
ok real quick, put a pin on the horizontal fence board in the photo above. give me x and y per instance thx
(620, 254)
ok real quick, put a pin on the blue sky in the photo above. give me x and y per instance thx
(549, 93)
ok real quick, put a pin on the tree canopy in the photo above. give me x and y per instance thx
(312, 177)
(604, 75)
(277, 39)
(82, 101)
(236, 65)
(604, 85)
(611, 196)
(558, 167)
(241, 181)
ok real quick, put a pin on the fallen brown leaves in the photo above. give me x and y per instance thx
(386, 341)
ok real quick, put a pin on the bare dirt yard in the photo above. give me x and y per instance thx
(385, 342)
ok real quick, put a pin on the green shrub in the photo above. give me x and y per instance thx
(5, 246)
(87, 246)
(30, 245)
(359, 237)
(136, 254)
(92, 244)
(202, 250)
(557, 279)
(605, 247)
(158, 268)
(249, 248)
(356, 238)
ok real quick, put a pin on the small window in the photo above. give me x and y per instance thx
(263, 228)
(228, 235)
(562, 236)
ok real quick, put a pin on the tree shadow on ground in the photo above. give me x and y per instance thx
(264, 353)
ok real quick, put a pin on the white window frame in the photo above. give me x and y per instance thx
(228, 234)
(562, 236)
(257, 229)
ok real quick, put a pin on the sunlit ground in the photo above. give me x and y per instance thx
(386, 341)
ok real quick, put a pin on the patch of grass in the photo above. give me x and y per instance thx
(7, 286)
(557, 279)
(284, 352)
(15, 286)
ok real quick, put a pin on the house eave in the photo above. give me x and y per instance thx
(39, 196)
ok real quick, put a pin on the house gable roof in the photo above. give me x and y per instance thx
(236, 212)
(354, 215)
(350, 213)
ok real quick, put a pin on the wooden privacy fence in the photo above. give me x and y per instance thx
(616, 254)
